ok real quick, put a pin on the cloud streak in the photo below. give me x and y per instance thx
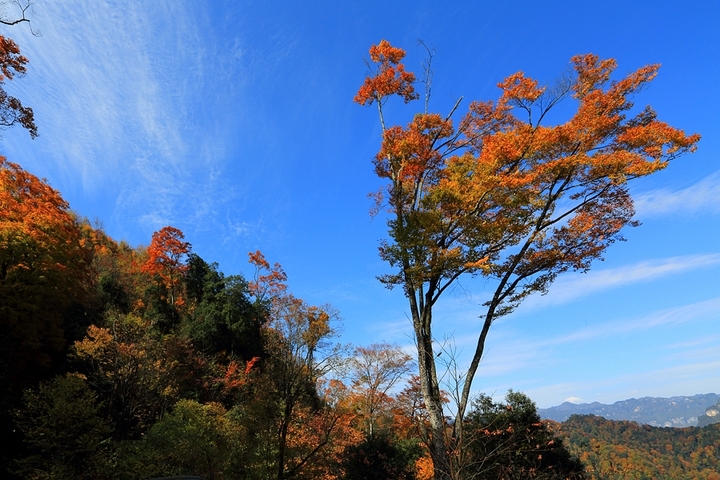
(574, 286)
(126, 109)
(509, 352)
(701, 197)
(674, 316)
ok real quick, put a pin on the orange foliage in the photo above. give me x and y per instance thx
(424, 468)
(235, 377)
(390, 78)
(44, 262)
(37, 229)
(11, 110)
(267, 282)
(506, 196)
(462, 199)
(319, 438)
(165, 258)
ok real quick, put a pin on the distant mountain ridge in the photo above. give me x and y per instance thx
(654, 411)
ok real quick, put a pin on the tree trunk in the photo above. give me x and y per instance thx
(436, 442)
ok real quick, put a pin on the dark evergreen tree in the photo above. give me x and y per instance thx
(221, 318)
(380, 457)
(63, 425)
(508, 441)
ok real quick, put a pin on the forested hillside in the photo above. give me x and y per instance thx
(612, 449)
(135, 362)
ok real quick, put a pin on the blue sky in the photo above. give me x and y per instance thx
(234, 122)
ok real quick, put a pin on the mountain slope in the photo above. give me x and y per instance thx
(619, 449)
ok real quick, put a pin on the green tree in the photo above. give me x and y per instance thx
(380, 457)
(508, 441)
(192, 439)
(221, 316)
(506, 196)
(63, 423)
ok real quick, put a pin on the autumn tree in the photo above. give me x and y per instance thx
(45, 260)
(293, 422)
(166, 259)
(386, 449)
(296, 339)
(12, 63)
(375, 370)
(506, 196)
(133, 372)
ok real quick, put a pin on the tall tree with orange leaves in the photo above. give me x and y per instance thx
(166, 257)
(293, 424)
(506, 196)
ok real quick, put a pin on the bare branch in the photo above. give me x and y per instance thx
(429, 72)
(24, 7)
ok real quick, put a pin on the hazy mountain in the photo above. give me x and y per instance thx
(658, 412)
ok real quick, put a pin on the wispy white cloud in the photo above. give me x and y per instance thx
(699, 311)
(574, 286)
(393, 330)
(126, 107)
(462, 311)
(705, 340)
(703, 196)
(510, 352)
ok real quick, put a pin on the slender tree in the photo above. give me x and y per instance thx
(166, 257)
(293, 421)
(375, 371)
(506, 196)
